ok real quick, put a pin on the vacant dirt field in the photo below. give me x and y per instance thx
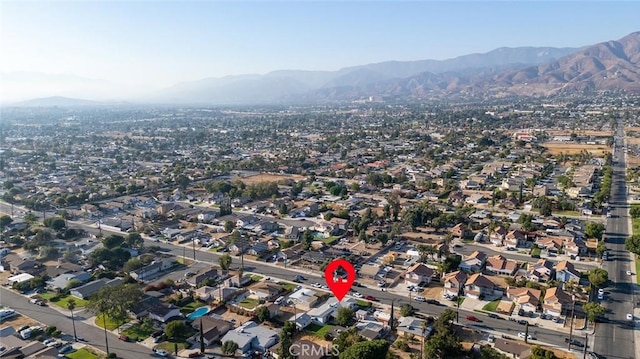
(264, 177)
(632, 129)
(632, 140)
(581, 133)
(633, 161)
(18, 321)
(576, 148)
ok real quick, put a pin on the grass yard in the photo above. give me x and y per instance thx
(169, 347)
(289, 287)
(363, 303)
(637, 260)
(635, 222)
(138, 332)
(249, 303)
(319, 330)
(111, 324)
(566, 213)
(329, 240)
(81, 353)
(536, 251)
(63, 301)
(189, 308)
(491, 306)
(256, 278)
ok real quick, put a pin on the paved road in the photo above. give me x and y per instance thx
(93, 334)
(616, 339)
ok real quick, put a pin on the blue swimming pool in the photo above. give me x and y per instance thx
(198, 313)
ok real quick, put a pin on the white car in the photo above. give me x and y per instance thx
(161, 352)
(523, 335)
(420, 299)
(316, 285)
(600, 291)
(358, 295)
(629, 316)
(628, 272)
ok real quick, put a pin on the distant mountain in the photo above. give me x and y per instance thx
(57, 101)
(290, 85)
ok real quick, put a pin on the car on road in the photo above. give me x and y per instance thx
(358, 295)
(279, 301)
(629, 316)
(628, 272)
(600, 296)
(433, 301)
(472, 318)
(298, 278)
(494, 316)
(371, 298)
(420, 299)
(574, 342)
(600, 291)
(316, 285)
(124, 338)
(523, 322)
(524, 335)
(161, 352)
(66, 349)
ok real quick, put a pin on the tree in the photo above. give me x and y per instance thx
(632, 244)
(598, 277)
(5, 221)
(131, 265)
(634, 211)
(601, 248)
(594, 230)
(286, 340)
(540, 353)
(229, 347)
(443, 345)
(487, 352)
(30, 217)
(593, 310)
(344, 316)
(263, 314)
(307, 238)
(225, 261)
(134, 240)
(55, 223)
(113, 241)
(229, 226)
(177, 330)
(407, 310)
(374, 349)
(71, 305)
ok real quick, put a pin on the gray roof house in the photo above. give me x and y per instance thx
(251, 336)
(85, 291)
(61, 281)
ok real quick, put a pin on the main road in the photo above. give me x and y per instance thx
(615, 339)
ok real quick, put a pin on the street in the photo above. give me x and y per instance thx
(616, 338)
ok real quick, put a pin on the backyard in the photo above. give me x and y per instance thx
(319, 330)
(248, 303)
(289, 287)
(81, 353)
(191, 306)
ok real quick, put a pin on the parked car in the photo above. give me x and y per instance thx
(66, 349)
(523, 322)
(493, 315)
(278, 301)
(628, 272)
(161, 352)
(420, 299)
(124, 338)
(523, 335)
(472, 318)
(629, 316)
(371, 298)
(358, 295)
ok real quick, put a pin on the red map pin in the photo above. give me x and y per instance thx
(338, 285)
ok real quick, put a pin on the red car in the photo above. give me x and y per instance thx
(370, 298)
(472, 318)
(124, 338)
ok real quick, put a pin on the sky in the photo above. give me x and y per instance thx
(154, 44)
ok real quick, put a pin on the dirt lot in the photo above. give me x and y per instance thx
(582, 133)
(18, 321)
(433, 292)
(633, 161)
(633, 140)
(576, 148)
(264, 177)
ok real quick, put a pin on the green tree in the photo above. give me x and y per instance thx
(286, 340)
(177, 330)
(345, 316)
(134, 240)
(229, 226)
(593, 310)
(225, 261)
(30, 217)
(263, 314)
(113, 241)
(374, 349)
(307, 238)
(598, 276)
(487, 352)
(71, 305)
(594, 230)
(229, 347)
(540, 353)
(632, 244)
(5, 221)
(634, 211)
(601, 248)
(131, 265)
(407, 310)
(55, 223)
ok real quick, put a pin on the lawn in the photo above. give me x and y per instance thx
(491, 306)
(256, 278)
(319, 330)
(63, 301)
(289, 287)
(363, 303)
(635, 222)
(138, 332)
(566, 213)
(536, 251)
(111, 324)
(81, 353)
(637, 260)
(191, 307)
(170, 348)
(248, 303)
(329, 240)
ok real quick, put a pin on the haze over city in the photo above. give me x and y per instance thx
(137, 47)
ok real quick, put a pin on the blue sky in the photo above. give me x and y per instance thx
(155, 44)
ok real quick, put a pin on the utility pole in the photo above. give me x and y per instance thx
(193, 242)
(573, 307)
(586, 344)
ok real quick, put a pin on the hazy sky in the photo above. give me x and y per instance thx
(155, 43)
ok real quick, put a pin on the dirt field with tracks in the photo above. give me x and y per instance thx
(576, 148)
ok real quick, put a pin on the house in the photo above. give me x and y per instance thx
(556, 301)
(152, 307)
(200, 277)
(512, 348)
(414, 326)
(304, 299)
(259, 249)
(324, 313)
(497, 236)
(478, 286)
(418, 274)
(516, 239)
(212, 329)
(246, 221)
(152, 269)
(501, 265)
(302, 320)
(339, 223)
(474, 262)
(87, 290)
(251, 337)
(16, 265)
(575, 247)
(219, 293)
(551, 244)
(61, 268)
(266, 291)
(454, 283)
(565, 271)
(62, 281)
(541, 271)
(527, 298)
(459, 231)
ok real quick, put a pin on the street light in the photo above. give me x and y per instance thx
(573, 308)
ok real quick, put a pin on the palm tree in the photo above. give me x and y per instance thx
(423, 326)
(71, 305)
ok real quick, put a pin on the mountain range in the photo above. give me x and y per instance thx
(524, 71)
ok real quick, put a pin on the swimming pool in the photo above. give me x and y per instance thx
(198, 313)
